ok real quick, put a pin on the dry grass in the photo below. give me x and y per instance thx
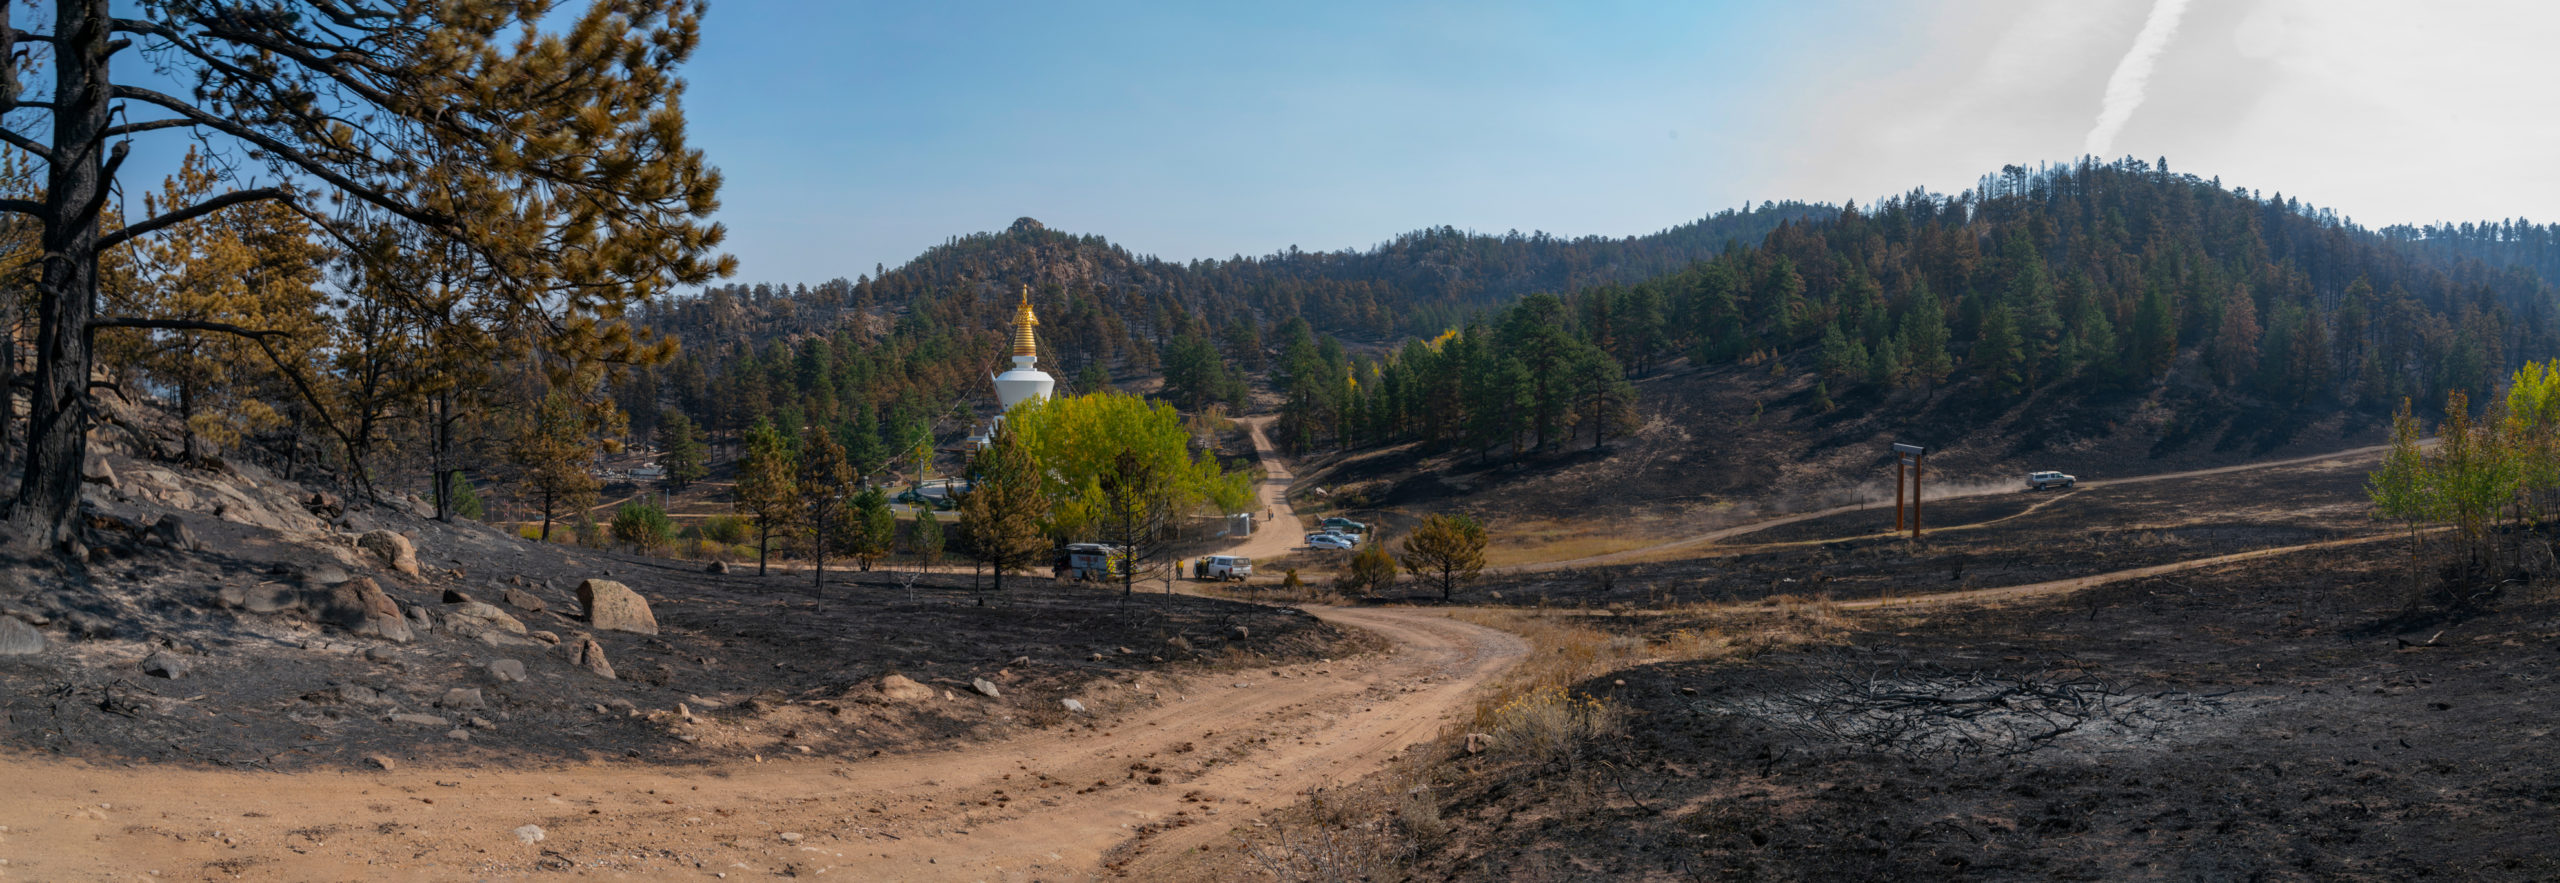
(1538, 541)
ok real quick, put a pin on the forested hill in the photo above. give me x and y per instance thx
(939, 320)
(2514, 242)
(2086, 288)
(2076, 284)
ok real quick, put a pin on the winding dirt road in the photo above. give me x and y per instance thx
(1213, 754)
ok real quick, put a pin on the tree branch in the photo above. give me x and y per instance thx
(22, 206)
(256, 334)
(22, 142)
(287, 152)
(181, 216)
(145, 126)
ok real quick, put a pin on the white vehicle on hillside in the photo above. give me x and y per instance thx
(2037, 481)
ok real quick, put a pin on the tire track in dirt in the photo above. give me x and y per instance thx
(1221, 748)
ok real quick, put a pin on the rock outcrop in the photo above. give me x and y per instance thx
(392, 550)
(615, 607)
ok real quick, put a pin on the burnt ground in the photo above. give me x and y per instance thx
(1731, 444)
(2000, 539)
(2273, 719)
(758, 664)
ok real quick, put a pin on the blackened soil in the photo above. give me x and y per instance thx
(759, 664)
(2256, 721)
(2002, 539)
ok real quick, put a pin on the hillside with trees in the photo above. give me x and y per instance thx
(895, 353)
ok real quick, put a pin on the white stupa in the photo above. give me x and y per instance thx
(1024, 382)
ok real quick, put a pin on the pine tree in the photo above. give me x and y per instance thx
(250, 266)
(2155, 334)
(1000, 514)
(1924, 337)
(1995, 356)
(1447, 550)
(924, 540)
(554, 149)
(873, 527)
(553, 453)
(768, 489)
(683, 457)
(822, 480)
(2235, 343)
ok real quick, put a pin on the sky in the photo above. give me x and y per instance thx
(855, 135)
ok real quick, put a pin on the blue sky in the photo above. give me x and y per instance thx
(858, 134)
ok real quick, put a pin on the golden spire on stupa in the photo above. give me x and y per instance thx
(1023, 322)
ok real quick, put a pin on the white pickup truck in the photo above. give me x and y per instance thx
(2037, 481)
(1222, 567)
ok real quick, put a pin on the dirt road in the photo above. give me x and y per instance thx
(1275, 528)
(1060, 803)
(1657, 550)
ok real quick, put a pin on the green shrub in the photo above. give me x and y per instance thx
(643, 525)
(729, 529)
(1372, 571)
(466, 501)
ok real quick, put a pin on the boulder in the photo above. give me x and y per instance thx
(325, 504)
(1072, 706)
(164, 664)
(324, 575)
(463, 698)
(716, 566)
(900, 688)
(507, 671)
(521, 600)
(423, 720)
(96, 471)
(420, 620)
(985, 688)
(391, 549)
(171, 531)
(591, 656)
(19, 639)
(455, 596)
(613, 606)
(482, 616)
(261, 598)
(359, 694)
(360, 607)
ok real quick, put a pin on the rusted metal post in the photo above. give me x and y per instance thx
(1919, 463)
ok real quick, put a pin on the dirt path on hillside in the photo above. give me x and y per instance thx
(1275, 528)
(2077, 583)
(1649, 552)
(1064, 802)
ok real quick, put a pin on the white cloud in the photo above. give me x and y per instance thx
(2386, 112)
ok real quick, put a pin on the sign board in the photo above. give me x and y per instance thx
(1909, 450)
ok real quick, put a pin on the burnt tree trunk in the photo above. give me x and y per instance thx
(57, 441)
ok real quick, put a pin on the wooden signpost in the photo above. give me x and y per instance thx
(1907, 459)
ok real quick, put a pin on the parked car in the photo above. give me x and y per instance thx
(913, 497)
(2037, 481)
(1222, 567)
(1329, 541)
(1344, 525)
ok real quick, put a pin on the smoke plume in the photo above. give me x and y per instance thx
(2133, 75)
